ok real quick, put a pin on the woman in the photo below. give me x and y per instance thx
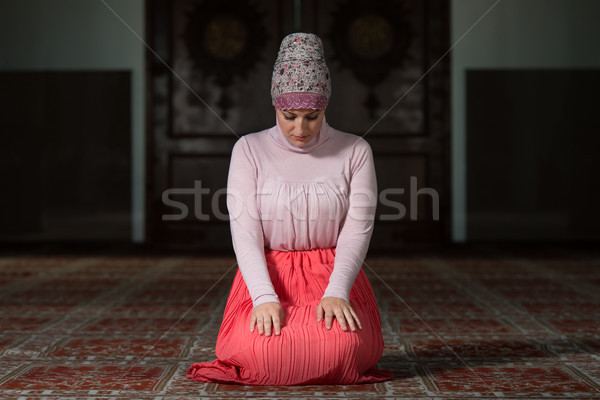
(301, 200)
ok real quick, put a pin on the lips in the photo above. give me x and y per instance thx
(300, 137)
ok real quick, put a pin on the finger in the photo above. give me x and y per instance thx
(356, 317)
(350, 319)
(260, 324)
(319, 313)
(268, 326)
(252, 322)
(339, 315)
(328, 319)
(277, 325)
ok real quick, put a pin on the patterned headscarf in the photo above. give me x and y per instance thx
(300, 75)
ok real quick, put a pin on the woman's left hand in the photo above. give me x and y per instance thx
(330, 307)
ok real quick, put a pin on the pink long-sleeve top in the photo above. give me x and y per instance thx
(284, 197)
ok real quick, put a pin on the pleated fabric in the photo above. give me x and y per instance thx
(305, 352)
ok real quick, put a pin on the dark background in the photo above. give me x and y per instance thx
(96, 126)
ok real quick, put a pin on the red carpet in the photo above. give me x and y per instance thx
(485, 325)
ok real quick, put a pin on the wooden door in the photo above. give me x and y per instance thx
(209, 75)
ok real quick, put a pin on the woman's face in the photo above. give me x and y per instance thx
(301, 126)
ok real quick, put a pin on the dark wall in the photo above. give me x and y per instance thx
(532, 154)
(65, 156)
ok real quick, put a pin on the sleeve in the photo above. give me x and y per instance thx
(357, 227)
(246, 226)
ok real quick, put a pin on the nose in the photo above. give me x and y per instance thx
(300, 125)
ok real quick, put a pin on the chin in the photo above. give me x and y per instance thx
(300, 143)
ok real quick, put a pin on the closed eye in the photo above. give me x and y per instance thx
(309, 118)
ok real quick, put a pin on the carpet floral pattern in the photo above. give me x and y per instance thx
(487, 325)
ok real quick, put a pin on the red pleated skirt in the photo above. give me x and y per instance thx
(305, 352)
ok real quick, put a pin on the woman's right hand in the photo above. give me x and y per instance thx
(267, 317)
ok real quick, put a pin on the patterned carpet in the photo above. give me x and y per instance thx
(457, 325)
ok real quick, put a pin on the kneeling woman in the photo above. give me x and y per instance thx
(301, 199)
